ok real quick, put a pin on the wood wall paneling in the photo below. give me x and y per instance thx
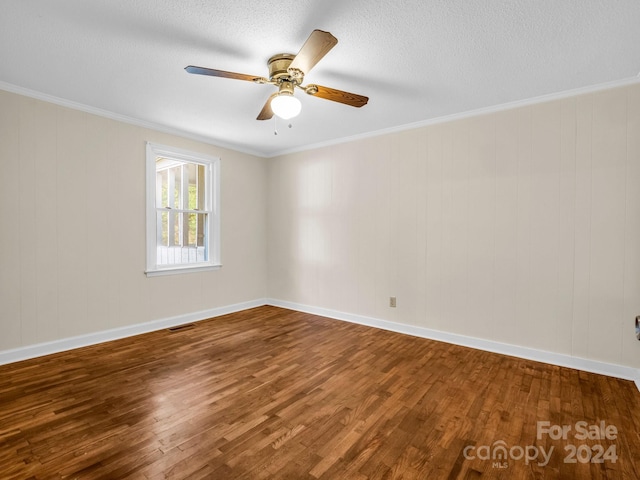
(517, 226)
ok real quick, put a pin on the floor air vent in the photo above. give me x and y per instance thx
(179, 328)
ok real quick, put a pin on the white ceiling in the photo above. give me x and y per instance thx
(416, 59)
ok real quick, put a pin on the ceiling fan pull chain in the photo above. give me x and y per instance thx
(275, 125)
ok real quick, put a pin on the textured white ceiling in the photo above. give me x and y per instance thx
(416, 59)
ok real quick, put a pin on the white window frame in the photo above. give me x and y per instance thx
(212, 208)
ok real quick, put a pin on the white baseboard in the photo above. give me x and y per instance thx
(602, 368)
(41, 349)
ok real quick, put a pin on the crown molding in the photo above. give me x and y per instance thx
(45, 97)
(376, 133)
(468, 114)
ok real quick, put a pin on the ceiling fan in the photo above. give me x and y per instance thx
(287, 71)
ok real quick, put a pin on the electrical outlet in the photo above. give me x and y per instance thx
(392, 302)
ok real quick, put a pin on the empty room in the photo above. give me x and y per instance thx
(319, 239)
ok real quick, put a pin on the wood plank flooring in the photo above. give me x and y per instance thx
(273, 393)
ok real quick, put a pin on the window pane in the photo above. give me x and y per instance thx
(193, 229)
(201, 228)
(192, 222)
(162, 235)
(197, 226)
(162, 188)
(169, 228)
(202, 205)
(175, 224)
(175, 185)
(181, 237)
(180, 185)
(192, 185)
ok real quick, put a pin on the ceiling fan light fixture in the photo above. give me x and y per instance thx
(286, 105)
(287, 71)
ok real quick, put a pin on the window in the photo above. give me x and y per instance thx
(183, 218)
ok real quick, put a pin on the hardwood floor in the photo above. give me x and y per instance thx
(272, 393)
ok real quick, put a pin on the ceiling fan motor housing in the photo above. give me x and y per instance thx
(279, 69)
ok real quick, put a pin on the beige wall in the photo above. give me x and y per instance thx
(521, 226)
(72, 227)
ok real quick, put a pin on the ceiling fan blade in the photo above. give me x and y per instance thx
(221, 73)
(317, 46)
(266, 113)
(337, 95)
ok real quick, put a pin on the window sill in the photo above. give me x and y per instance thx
(181, 269)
